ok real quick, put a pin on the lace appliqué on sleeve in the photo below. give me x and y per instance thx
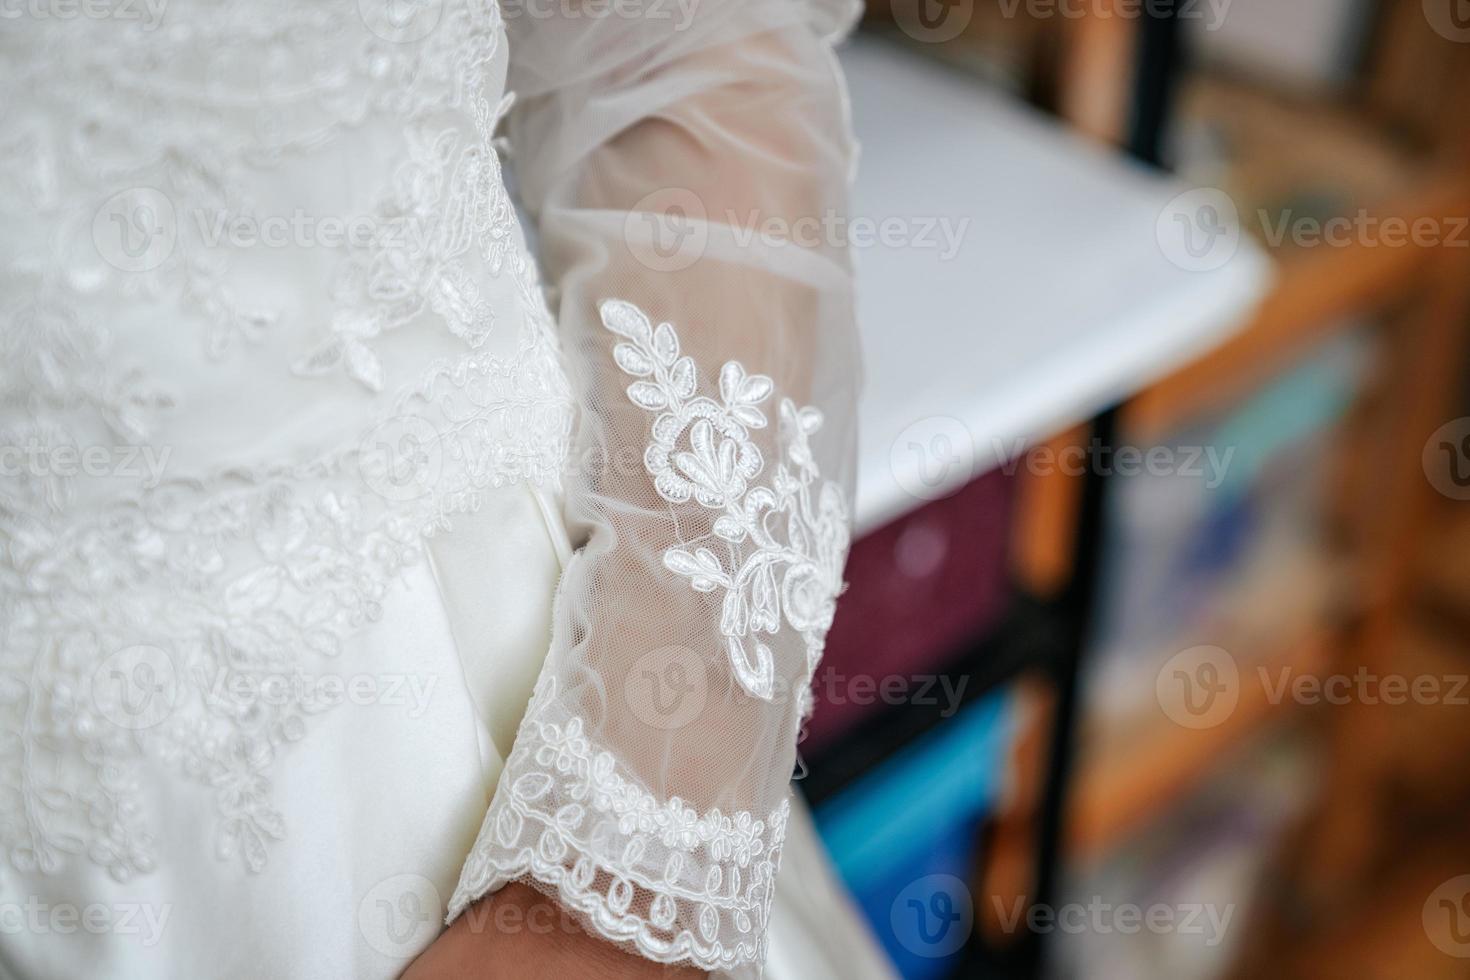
(676, 883)
(784, 549)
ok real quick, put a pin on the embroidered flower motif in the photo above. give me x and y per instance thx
(783, 549)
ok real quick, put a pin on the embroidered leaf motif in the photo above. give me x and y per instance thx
(320, 359)
(649, 396)
(730, 529)
(682, 378)
(626, 320)
(364, 365)
(703, 568)
(632, 360)
(732, 375)
(531, 786)
(665, 344)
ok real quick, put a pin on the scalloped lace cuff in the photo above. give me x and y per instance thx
(662, 879)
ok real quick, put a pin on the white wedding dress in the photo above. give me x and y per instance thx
(305, 488)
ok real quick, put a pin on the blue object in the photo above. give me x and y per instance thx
(903, 836)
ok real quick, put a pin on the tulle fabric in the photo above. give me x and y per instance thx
(687, 178)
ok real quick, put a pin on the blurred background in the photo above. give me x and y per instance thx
(1155, 659)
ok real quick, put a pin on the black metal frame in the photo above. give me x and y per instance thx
(1047, 638)
(1160, 54)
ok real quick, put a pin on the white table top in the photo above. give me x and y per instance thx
(1060, 299)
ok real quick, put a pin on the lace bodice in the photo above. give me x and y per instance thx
(269, 323)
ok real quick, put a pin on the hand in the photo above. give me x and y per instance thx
(517, 932)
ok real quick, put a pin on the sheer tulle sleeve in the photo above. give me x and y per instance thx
(687, 176)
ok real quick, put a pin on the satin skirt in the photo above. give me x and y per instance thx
(381, 803)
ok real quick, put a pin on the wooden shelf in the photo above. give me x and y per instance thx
(1442, 575)
(1380, 935)
(1315, 292)
(1129, 777)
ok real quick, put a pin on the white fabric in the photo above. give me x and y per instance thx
(244, 455)
(379, 801)
(711, 567)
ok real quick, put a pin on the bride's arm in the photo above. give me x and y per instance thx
(688, 178)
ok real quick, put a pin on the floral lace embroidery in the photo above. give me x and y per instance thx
(784, 551)
(252, 575)
(178, 586)
(415, 262)
(284, 79)
(674, 882)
